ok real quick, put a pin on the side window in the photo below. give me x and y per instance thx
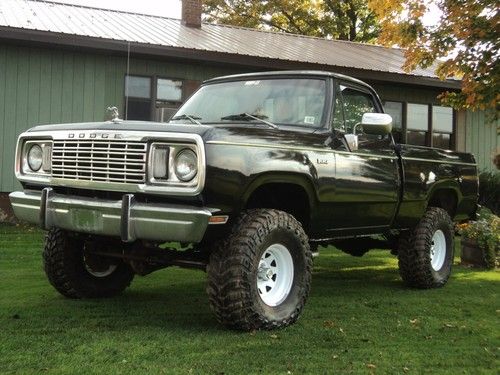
(356, 103)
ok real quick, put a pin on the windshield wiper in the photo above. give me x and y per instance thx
(194, 119)
(246, 116)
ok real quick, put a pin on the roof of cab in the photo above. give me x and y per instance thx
(288, 74)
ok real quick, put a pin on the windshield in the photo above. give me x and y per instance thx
(286, 101)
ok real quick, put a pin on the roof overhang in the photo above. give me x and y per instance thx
(206, 56)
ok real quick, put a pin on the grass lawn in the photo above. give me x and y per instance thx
(359, 319)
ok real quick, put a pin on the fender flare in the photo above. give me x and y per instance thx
(445, 185)
(299, 179)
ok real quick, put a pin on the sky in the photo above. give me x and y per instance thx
(164, 8)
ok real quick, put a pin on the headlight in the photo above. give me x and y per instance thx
(186, 165)
(35, 157)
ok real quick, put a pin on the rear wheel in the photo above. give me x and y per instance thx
(75, 272)
(260, 277)
(426, 253)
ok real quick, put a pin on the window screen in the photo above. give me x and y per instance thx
(168, 98)
(169, 90)
(442, 126)
(138, 87)
(418, 117)
(417, 123)
(442, 119)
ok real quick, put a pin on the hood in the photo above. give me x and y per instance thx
(145, 126)
(232, 133)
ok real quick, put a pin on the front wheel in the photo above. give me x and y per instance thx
(77, 273)
(426, 253)
(260, 277)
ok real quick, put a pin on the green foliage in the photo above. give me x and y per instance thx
(344, 19)
(486, 231)
(489, 191)
(464, 44)
(359, 320)
(496, 160)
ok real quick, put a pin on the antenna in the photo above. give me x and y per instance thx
(127, 81)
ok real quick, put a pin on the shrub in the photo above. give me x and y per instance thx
(489, 191)
(486, 231)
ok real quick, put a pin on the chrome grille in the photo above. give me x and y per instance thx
(100, 160)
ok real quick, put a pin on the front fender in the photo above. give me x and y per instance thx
(234, 172)
(272, 177)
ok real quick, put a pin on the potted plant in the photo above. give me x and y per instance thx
(481, 240)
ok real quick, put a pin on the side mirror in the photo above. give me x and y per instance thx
(376, 123)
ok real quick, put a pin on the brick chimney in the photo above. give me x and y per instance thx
(191, 13)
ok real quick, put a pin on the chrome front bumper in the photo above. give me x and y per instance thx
(124, 218)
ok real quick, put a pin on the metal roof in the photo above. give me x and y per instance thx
(156, 33)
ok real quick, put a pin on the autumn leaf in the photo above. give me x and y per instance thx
(345, 20)
(463, 44)
(328, 324)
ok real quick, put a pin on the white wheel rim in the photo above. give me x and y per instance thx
(275, 275)
(438, 250)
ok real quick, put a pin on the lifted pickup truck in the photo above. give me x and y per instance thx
(252, 173)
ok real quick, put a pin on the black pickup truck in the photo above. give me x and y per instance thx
(247, 179)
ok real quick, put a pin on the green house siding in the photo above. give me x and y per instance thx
(402, 93)
(42, 86)
(479, 134)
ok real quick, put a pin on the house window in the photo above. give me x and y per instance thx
(137, 98)
(442, 127)
(417, 124)
(168, 98)
(395, 109)
(155, 98)
(422, 124)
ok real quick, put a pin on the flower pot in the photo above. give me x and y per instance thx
(471, 253)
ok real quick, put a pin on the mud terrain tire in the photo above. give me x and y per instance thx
(426, 253)
(69, 273)
(260, 276)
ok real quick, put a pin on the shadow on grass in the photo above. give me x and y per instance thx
(181, 305)
(175, 299)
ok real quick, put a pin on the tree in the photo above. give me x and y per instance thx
(464, 43)
(344, 19)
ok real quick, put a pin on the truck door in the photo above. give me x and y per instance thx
(366, 180)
